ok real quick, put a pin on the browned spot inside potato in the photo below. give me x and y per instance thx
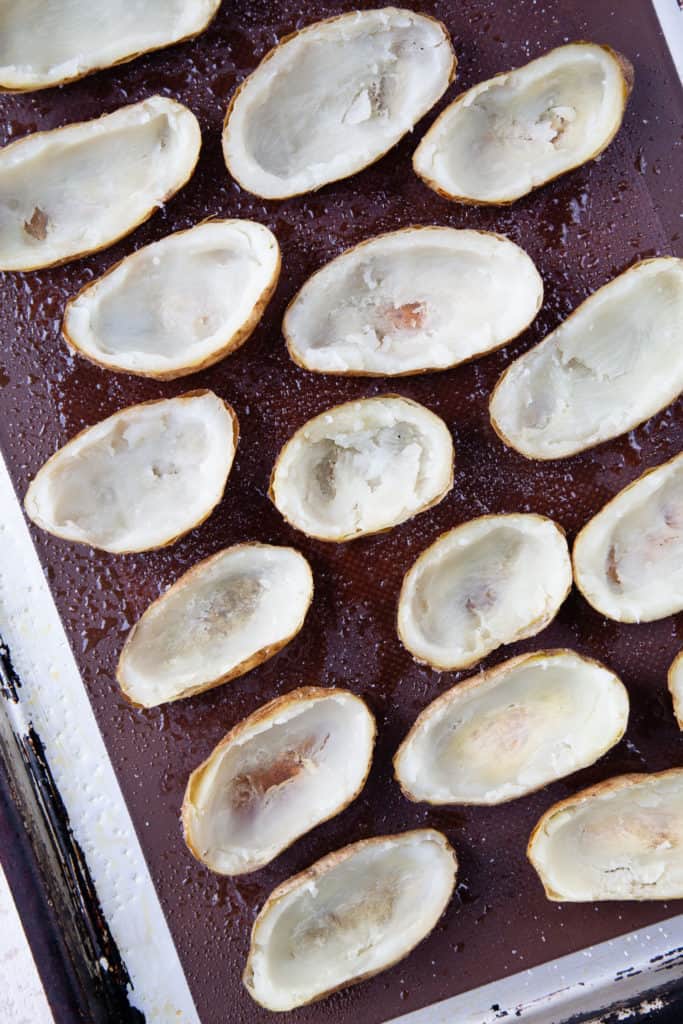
(408, 317)
(36, 227)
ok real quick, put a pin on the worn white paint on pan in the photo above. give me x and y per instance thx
(54, 697)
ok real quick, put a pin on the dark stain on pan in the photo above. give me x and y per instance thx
(92, 981)
(581, 230)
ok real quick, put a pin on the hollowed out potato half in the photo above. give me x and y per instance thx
(49, 42)
(628, 559)
(180, 304)
(511, 134)
(488, 582)
(141, 478)
(675, 681)
(73, 190)
(619, 840)
(349, 916)
(363, 467)
(291, 765)
(513, 729)
(616, 361)
(414, 300)
(333, 98)
(226, 615)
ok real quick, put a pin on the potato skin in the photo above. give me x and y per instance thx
(238, 670)
(197, 393)
(271, 54)
(231, 345)
(312, 874)
(266, 711)
(627, 78)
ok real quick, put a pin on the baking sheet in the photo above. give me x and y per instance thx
(580, 231)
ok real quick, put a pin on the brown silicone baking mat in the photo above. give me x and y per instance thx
(581, 230)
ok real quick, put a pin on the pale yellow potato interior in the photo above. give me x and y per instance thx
(79, 188)
(334, 98)
(519, 728)
(621, 844)
(173, 303)
(362, 914)
(629, 558)
(218, 616)
(617, 360)
(486, 583)
(279, 779)
(43, 42)
(516, 131)
(413, 300)
(139, 478)
(363, 467)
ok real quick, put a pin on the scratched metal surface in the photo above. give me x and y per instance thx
(580, 230)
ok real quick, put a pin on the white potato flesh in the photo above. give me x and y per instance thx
(675, 681)
(363, 467)
(628, 559)
(180, 304)
(413, 300)
(486, 583)
(139, 479)
(510, 134)
(352, 914)
(619, 840)
(73, 190)
(616, 361)
(48, 42)
(333, 98)
(288, 767)
(512, 730)
(226, 615)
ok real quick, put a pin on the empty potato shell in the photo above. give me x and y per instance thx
(333, 98)
(628, 559)
(349, 916)
(49, 42)
(74, 190)
(513, 729)
(517, 131)
(616, 361)
(141, 478)
(292, 764)
(178, 305)
(363, 467)
(619, 840)
(488, 582)
(424, 298)
(223, 617)
(675, 681)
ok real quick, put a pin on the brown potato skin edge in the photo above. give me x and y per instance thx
(227, 348)
(367, 533)
(616, 782)
(535, 627)
(264, 712)
(678, 706)
(128, 230)
(16, 90)
(320, 867)
(423, 369)
(627, 76)
(197, 393)
(632, 426)
(577, 574)
(264, 654)
(287, 39)
(471, 683)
